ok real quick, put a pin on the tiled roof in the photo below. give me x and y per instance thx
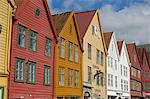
(84, 19)
(107, 37)
(60, 20)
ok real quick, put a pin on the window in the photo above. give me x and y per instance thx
(70, 77)
(19, 74)
(70, 29)
(76, 53)
(47, 75)
(134, 58)
(37, 12)
(102, 58)
(111, 62)
(108, 79)
(121, 69)
(61, 77)
(1, 92)
(31, 72)
(97, 80)
(124, 85)
(21, 36)
(97, 56)
(89, 74)
(48, 48)
(70, 51)
(62, 47)
(139, 74)
(89, 51)
(33, 40)
(112, 80)
(94, 30)
(115, 64)
(124, 69)
(116, 81)
(121, 84)
(76, 78)
(102, 79)
(133, 71)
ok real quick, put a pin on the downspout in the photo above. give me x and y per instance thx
(53, 70)
(11, 34)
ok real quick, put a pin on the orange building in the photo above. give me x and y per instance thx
(68, 66)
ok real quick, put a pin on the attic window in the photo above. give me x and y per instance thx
(70, 29)
(94, 30)
(37, 12)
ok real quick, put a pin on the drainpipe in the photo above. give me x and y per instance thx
(53, 70)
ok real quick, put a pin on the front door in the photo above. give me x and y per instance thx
(1, 92)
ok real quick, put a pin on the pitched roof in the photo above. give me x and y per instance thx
(131, 47)
(140, 52)
(107, 37)
(60, 20)
(119, 43)
(147, 47)
(84, 19)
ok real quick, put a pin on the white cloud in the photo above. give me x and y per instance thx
(131, 24)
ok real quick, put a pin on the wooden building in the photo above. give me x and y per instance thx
(68, 67)
(32, 51)
(135, 72)
(7, 8)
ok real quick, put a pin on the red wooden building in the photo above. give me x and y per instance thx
(145, 74)
(32, 51)
(135, 72)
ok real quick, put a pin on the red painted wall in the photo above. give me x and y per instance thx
(25, 15)
(145, 73)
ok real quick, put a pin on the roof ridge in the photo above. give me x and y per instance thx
(85, 11)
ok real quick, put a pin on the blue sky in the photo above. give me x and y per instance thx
(129, 19)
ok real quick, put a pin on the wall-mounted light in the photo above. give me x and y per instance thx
(0, 28)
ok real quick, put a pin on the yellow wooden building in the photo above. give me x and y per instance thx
(68, 66)
(6, 12)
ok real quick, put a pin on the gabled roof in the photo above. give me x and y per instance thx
(48, 12)
(60, 20)
(131, 47)
(107, 37)
(119, 43)
(84, 19)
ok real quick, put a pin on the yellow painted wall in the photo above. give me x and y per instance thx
(97, 43)
(66, 90)
(6, 22)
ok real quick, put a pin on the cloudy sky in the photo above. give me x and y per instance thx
(129, 19)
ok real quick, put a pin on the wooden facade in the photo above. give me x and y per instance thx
(6, 12)
(145, 74)
(32, 51)
(135, 72)
(68, 67)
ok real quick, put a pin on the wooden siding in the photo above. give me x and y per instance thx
(25, 15)
(60, 62)
(5, 38)
(5, 21)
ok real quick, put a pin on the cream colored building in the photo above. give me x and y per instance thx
(94, 67)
